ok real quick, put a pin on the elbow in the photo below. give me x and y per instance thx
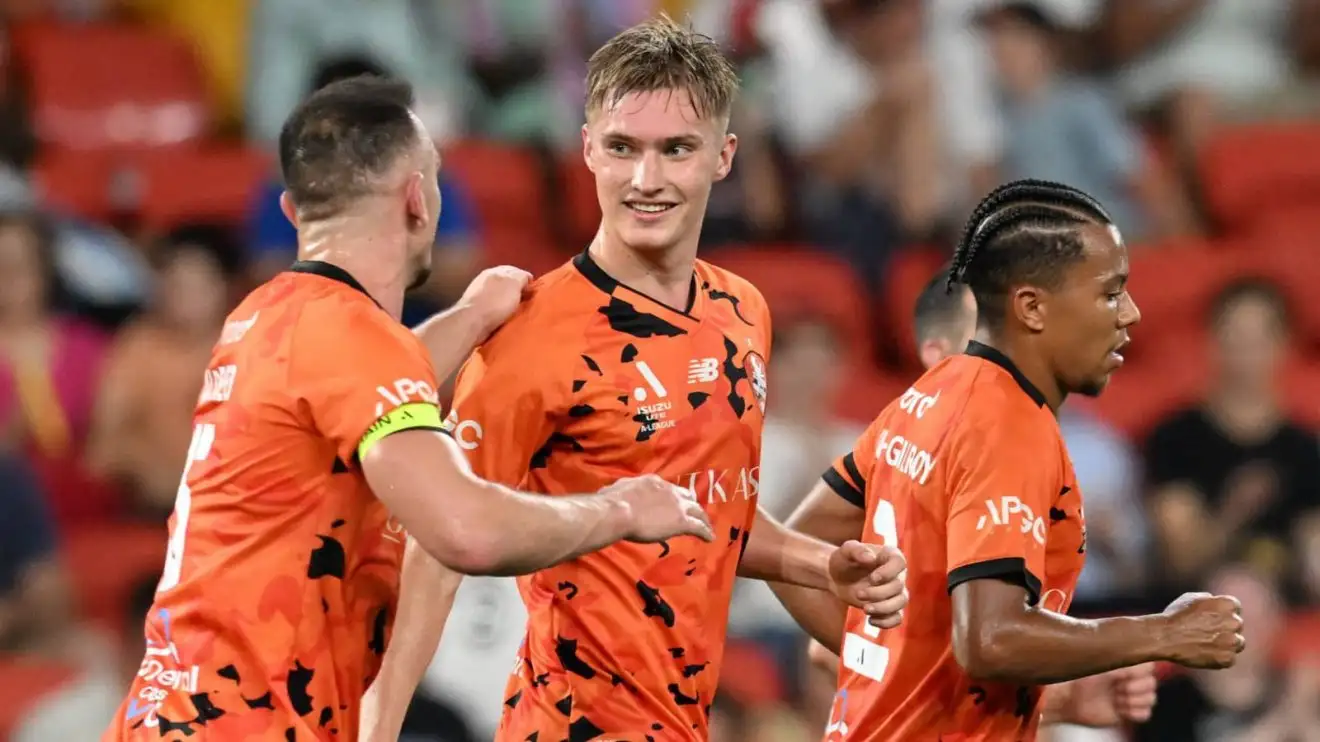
(986, 654)
(471, 553)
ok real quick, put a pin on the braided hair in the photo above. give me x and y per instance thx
(1023, 231)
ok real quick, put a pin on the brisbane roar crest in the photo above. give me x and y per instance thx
(754, 366)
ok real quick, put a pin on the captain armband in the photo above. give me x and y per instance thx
(414, 415)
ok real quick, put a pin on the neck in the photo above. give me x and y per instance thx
(1030, 364)
(665, 274)
(353, 244)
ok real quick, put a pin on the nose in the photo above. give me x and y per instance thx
(646, 178)
(1129, 314)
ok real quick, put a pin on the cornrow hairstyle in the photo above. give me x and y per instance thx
(1023, 231)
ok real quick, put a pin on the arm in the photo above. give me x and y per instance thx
(825, 515)
(998, 637)
(426, 596)
(776, 554)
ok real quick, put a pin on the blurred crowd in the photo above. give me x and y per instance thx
(138, 200)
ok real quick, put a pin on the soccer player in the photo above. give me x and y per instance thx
(967, 473)
(945, 321)
(281, 576)
(634, 357)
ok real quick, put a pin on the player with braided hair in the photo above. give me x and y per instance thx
(967, 473)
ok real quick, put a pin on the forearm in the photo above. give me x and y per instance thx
(1056, 702)
(1041, 647)
(777, 554)
(507, 533)
(426, 595)
(819, 614)
(451, 336)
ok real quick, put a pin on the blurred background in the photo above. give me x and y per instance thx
(138, 200)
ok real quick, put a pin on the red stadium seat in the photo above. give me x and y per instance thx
(580, 197)
(23, 683)
(531, 252)
(1247, 171)
(800, 280)
(866, 391)
(507, 185)
(1289, 253)
(214, 184)
(111, 86)
(908, 274)
(1174, 285)
(90, 185)
(103, 585)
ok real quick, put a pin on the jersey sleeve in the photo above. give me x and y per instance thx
(362, 378)
(1002, 484)
(849, 473)
(502, 413)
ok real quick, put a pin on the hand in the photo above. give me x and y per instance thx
(494, 295)
(658, 510)
(1204, 631)
(871, 578)
(1108, 699)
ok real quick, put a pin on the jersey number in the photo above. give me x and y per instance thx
(860, 652)
(202, 439)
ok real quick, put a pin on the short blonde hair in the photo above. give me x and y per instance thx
(660, 54)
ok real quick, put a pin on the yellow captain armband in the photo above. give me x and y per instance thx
(422, 415)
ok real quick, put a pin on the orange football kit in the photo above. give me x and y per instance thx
(282, 570)
(589, 382)
(967, 473)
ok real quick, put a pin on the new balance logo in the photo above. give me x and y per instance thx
(703, 370)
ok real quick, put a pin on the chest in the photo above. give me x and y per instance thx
(1064, 527)
(689, 407)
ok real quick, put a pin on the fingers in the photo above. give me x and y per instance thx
(859, 553)
(886, 621)
(867, 594)
(699, 522)
(892, 566)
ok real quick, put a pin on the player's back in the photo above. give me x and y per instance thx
(968, 474)
(282, 568)
(626, 641)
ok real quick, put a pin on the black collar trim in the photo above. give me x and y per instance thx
(993, 355)
(592, 271)
(332, 272)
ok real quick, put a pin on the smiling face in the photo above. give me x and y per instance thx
(655, 159)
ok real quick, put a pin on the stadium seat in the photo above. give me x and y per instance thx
(212, 184)
(866, 391)
(507, 185)
(801, 280)
(95, 86)
(1170, 375)
(513, 246)
(1174, 284)
(1289, 253)
(908, 274)
(88, 185)
(580, 199)
(23, 683)
(1247, 171)
(103, 585)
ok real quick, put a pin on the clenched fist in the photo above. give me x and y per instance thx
(658, 510)
(1204, 631)
(494, 295)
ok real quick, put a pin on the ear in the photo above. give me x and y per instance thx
(726, 157)
(1030, 307)
(415, 199)
(932, 352)
(586, 148)
(286, 205)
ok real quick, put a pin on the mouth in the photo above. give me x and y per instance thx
(1116, 355)
(649, 208)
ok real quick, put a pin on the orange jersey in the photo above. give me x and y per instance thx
(968, 474)
(282, 570)
(588, 383)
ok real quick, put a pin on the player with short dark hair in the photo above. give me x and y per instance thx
(968, 474)
(317, 441)
(633, 357)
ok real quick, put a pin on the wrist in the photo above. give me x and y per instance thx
(480, 322)
(620, 519)
(1058, 700)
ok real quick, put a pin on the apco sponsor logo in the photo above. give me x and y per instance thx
(1011, 511)
(235, 330)
(914, 403)
(466, 433)
(904, 456)
(722, 485)
(403, 391)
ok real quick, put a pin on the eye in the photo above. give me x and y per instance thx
(678, 150)
(618, 148)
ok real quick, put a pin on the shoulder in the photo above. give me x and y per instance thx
(1182, 423)
(995, 411)
(553, 311)
(729, 282)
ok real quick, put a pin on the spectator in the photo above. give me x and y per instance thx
(1234, 473)
(274, 241)
(154, 373)
(1065, 128)
(49, 371)
(35, 605)
(1255, 700)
